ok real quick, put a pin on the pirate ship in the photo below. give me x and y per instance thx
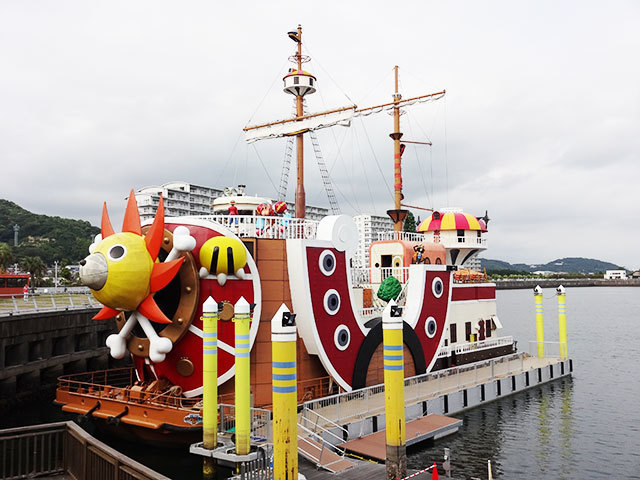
(155, 278)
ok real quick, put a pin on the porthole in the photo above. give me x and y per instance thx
(342, 337)
(327, 262)
(117, 252)
(430, 327)
(437, 287)
(331, 302)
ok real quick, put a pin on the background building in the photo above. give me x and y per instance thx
(368, 228)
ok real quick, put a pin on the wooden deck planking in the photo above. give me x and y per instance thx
(418, 430)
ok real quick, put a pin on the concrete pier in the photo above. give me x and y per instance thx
(36, 348)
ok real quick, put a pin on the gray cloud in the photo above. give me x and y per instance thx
(539, 125)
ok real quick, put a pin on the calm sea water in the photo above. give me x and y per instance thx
(584, 428)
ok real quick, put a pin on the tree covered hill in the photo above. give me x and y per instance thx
(561, 265)
(50, 238)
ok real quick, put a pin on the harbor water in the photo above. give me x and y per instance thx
(587, 427)
(584, 428)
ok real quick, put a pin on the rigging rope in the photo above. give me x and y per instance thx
(384, 179)
(265, 170)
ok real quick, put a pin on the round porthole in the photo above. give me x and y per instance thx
(342, 337)
(437, 287)
(327, 262)
(331, 302)
(430, 327)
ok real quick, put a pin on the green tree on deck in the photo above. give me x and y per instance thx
(410, 223)
(35, 266)
(6, 256)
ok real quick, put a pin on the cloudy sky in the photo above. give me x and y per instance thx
(540, 124)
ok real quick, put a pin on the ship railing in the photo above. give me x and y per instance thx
(121, 385)
(257, 226)
(45, 302)
(362, 403)
(322, 427)
(483, 344)
(373, 276)
(406, 236)
(260, 422)
(259, 469)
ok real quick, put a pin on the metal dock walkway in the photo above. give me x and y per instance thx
(432, 426)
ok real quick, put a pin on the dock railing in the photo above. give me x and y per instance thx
(45, 302)
(369, 401)
(64, 449)
(260, 422)
(551, 349)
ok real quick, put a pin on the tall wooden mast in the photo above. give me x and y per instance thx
(398, 214)
(300, 198)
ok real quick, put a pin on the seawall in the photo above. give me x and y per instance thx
(513, 284)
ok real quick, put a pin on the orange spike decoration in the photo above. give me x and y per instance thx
(122, 272)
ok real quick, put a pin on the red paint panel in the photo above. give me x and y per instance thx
(436, 308)
(342, 361)
(473, 293)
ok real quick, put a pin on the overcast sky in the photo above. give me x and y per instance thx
(540, 124)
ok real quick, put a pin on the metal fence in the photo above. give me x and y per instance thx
(259, 469)
(43, 302)
(549, 349)
(64, 448)
(369, 401)
(260, 422)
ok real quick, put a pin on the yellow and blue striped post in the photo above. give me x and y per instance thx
(242, 318)
(537, 293)
(396, 458)
(209, 383)
(285, 395)
(562, 322)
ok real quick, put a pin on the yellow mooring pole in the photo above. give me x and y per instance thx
(242, 318)
(537, 293)
(209, 384)
(284, 379)
(396, 458)
(562, 322)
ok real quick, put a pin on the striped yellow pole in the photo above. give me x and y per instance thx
(562, 322)
(209, 384)
(537, 293)
(396, 458)
(242, 318)
(285, 401)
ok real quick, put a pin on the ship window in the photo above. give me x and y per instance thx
(479, 233)
(487, 328)
(467, 331)
(296, 80)
(427, 260)
(311, 82)
(453, 333)
(438, 261)
(460, 236)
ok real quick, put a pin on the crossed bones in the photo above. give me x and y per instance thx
(158, 346)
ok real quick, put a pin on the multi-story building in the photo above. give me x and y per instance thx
(180, 199)
(368, 228)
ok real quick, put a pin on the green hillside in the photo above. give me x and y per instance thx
(561, 265)
(50, 238)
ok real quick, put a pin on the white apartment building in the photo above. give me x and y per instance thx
(368, 228)
(180, 199)
(615, 275)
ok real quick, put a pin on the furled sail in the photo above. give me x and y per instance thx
(292, 126)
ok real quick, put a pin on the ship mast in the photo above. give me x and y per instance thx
(300, 198)
(398, 214)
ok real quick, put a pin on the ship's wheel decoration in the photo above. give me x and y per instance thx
(123, 273)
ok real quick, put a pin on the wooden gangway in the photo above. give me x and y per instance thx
(432, 426)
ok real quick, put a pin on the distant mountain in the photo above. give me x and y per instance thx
(50, 238)
(561, 265)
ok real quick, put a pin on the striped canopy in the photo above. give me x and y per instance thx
(451, 221)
